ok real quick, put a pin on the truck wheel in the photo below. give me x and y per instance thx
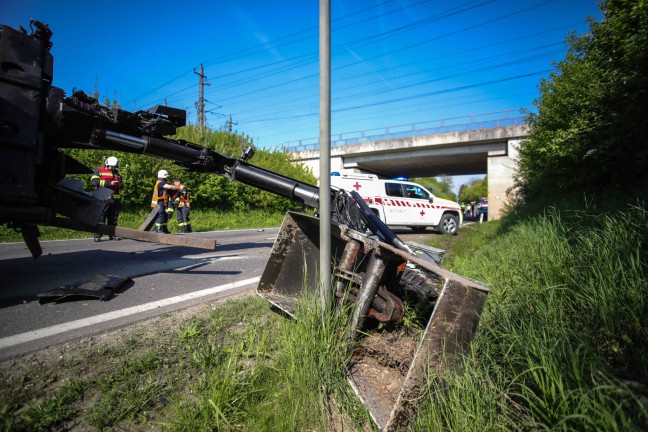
(449, 224)
(415, 283)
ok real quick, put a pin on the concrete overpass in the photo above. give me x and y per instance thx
(478, 146)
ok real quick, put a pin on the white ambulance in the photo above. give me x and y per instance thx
(403, 203)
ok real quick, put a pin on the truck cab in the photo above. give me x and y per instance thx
(401, 202)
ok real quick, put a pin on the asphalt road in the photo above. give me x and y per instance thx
(163, 279)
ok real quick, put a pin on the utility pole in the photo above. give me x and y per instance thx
(200, 105)
(325, 153)
(230, 123)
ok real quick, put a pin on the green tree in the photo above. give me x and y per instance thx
(589, 131)
(440, 188)
(474, 190)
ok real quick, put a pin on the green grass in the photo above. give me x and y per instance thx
(201, 220)
(564, 336)
(239, 367)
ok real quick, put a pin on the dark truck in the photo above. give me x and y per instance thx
(373, 270)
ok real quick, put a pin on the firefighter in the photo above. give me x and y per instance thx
(108, 176)
(180, 203)
(161, 200)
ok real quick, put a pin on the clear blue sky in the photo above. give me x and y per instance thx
(393, 62)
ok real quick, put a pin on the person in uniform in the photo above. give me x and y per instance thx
(161, 200)
(108, 176)
(180, 202)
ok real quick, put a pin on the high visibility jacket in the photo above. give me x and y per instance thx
(160, 195)
(180, 197)
(104, 177)
(183, 194)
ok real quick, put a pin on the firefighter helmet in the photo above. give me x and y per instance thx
(112, 161)
(163, 174)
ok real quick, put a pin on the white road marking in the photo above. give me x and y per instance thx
(85, 322)
(215, 256)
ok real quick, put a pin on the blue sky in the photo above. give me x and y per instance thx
(393, 62)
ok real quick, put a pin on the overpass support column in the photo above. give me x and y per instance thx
(502, 167)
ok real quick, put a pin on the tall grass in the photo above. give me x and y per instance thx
(288, 377)
(564, 336)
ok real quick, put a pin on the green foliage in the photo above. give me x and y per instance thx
(474, 190)
(207, 190)
(440, 188)
(588, 134)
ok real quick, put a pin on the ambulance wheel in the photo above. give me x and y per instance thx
(449, 224)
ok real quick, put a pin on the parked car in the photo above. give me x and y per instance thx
(483, 207)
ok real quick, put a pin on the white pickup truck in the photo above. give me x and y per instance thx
(402, 203)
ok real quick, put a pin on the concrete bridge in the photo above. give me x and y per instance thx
(471, 145)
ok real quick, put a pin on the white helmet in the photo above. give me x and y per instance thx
(163, 174)
(112, 161)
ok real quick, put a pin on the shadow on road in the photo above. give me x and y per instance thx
(24, 278)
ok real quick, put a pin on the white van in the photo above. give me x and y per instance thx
(399, 202)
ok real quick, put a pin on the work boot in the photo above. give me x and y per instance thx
(110, 237)
(188, 228)
(183, 229)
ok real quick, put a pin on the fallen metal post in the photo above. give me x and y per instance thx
(128, 233)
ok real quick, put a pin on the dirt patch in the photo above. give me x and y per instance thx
(379, 366)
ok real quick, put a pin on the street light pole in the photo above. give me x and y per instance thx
(325, 152)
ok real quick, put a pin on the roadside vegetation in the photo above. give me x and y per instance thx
(561, 345)
(563, 339)
(201, 220)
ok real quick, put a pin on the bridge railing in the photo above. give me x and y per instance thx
(452, 124)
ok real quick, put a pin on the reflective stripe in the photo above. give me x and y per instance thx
(105, 175)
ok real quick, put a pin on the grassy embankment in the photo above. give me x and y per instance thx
(561, 345)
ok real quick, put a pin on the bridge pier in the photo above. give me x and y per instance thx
(502, 168)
